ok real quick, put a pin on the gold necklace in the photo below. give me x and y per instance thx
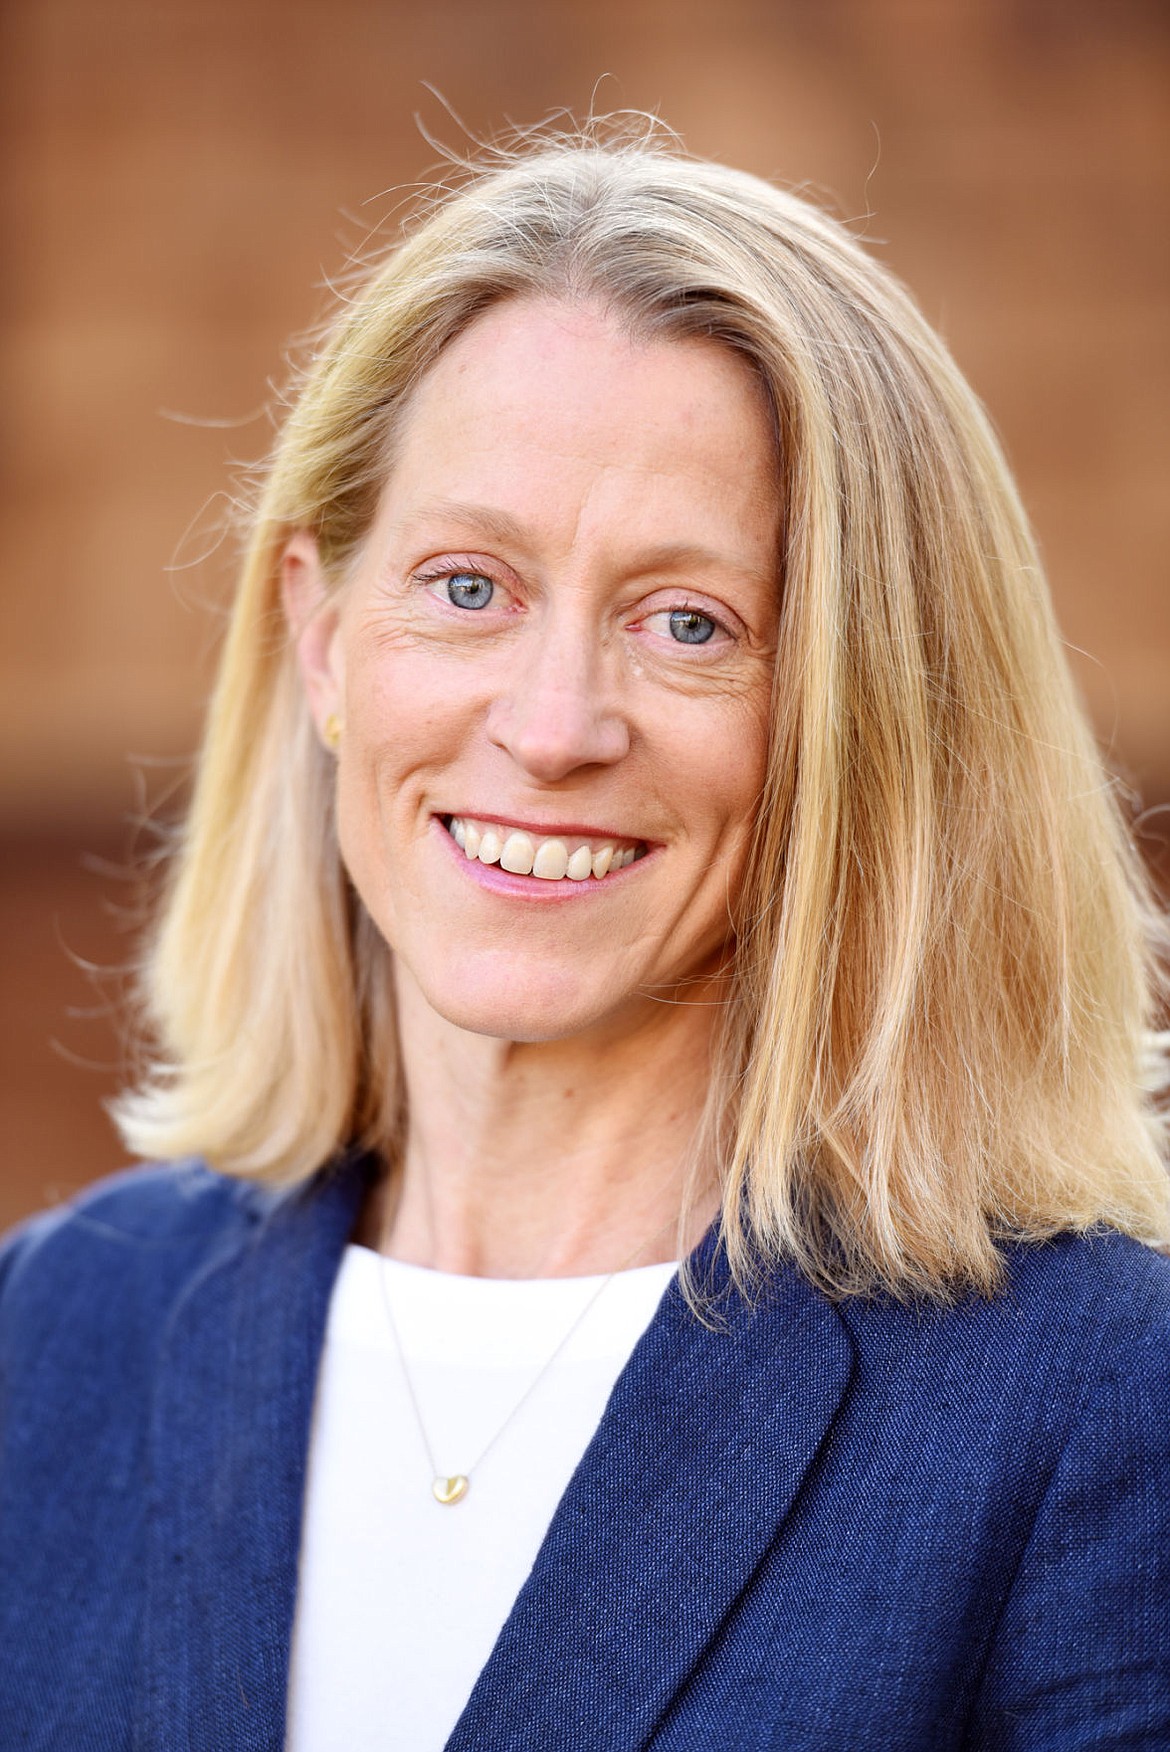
(449, 1489)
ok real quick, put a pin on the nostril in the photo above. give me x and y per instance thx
(557, 718)
(555, 743)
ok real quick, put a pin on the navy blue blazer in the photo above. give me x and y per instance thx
(810, 1528)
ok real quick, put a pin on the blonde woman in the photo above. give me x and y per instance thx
(645, 821)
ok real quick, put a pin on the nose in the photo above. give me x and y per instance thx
(556, 713)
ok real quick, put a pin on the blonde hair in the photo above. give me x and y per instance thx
(938, 1033)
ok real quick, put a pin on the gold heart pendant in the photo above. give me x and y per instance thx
(450, 1490)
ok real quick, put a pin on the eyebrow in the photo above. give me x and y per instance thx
(501, 526)
(486, 519)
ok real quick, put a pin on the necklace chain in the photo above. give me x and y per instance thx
(450, 1489)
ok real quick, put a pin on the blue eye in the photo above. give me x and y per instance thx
(689, 627)
(468, 589)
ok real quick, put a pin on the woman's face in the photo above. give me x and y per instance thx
(556, 647)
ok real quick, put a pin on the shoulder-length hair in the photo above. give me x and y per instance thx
(939, 1025)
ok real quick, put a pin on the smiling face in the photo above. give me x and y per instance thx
(553, 664)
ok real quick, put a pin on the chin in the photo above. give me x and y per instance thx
(516, 1003)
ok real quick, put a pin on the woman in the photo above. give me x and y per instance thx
(644, 816)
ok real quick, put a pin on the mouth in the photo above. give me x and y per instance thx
(556, 857)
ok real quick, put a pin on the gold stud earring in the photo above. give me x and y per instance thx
(331, 732)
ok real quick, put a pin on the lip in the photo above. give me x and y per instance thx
(497, 881)
(546, 829)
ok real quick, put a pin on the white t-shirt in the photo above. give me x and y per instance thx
(400, 1597)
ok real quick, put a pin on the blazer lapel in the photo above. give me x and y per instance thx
(695, 1464)
(229, 1451)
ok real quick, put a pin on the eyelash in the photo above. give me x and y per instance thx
(691, 608)
(443, 574)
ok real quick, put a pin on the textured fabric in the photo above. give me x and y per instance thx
(800, 1527)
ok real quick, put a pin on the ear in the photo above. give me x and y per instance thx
(312, 612)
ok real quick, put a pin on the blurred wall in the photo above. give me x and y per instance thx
(178, 183)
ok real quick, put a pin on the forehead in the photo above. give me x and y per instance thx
(542, 408)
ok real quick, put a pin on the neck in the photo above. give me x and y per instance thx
(549, 1159)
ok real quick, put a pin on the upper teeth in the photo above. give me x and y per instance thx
(531, 854)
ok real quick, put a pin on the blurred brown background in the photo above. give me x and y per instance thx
(178, 182)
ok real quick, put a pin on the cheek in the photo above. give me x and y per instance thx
(731, 781)
(402, 711)
(732, 775)
(398, 723)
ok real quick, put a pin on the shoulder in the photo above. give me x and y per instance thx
(1084, 1279)
(1096, 1301)
(1075, 1348)
(119, 1256)
(1081, 1298)
(141, 1226)
(1081, 1646)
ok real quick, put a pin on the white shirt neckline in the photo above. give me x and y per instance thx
(401, 1599)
